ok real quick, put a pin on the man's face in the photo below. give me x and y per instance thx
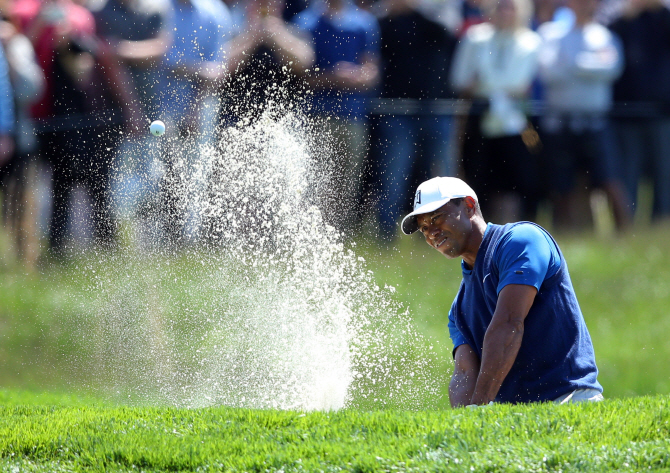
(447, 229)
(584, 7)
(505, 15)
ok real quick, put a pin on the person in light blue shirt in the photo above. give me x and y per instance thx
(195, 61)
(518, 331)
(6, 111)
(579, 63)
(194, 67)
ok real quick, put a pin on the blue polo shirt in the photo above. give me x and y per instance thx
(348, 35)
(556, 354)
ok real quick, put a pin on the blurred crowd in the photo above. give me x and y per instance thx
(537, 104)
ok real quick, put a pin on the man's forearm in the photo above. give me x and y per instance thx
(501, 346)
(461, 389)
(291, 50)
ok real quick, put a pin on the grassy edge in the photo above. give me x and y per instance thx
(82, 435)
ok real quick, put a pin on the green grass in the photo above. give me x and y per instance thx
(52, 433)
(624, 291)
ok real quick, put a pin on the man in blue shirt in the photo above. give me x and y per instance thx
(517, 329)
(194, 60)
(345, 39)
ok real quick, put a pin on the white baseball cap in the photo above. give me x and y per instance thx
(433, 194)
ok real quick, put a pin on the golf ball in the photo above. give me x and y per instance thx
(157, 128)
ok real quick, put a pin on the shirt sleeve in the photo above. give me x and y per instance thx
(6, 97)
(462, 69)
(601, 57)
(517, 77)
(554, 68)
(456, 336)
(526, 255)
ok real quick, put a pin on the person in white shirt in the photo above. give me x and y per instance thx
(494, 66)
(578, 65)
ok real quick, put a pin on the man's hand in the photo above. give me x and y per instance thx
(347, 76)
(466, 369)
(476, 406)
(502, 340)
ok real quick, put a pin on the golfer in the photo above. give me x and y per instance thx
(517, 329)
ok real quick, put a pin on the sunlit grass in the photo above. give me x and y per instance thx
(58, 433)
(622, 285)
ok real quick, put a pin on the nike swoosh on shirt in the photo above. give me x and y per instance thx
(485, 277)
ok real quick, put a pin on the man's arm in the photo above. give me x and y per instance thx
(289, 48)
(348, 76)
(146, 52)
(119, 81)
(502, 340)
(294, 51)
(466, 369)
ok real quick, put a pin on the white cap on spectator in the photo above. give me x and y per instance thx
(433, 194)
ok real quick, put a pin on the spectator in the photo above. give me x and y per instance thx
(346, 45)
(578, 66)
(495, 64)
(194, 60)
(139, 33)
(20, 175)
(266, 61)
(27, 79)
(82, 111)
(643, 91)
(195, 67)
(545, 11)
(416, 54)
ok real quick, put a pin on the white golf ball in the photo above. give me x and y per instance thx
(157, 128)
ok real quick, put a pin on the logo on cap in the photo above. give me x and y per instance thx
(417, 198)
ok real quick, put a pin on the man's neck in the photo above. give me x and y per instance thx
(582, 21)
(474, 242)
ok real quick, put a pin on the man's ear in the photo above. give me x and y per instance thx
(470, 205)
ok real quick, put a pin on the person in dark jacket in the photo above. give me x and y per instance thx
(642, 122)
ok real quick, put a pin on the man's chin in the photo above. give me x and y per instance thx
(448, 253)
(446, 250)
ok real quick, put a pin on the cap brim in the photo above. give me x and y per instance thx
(409, 224)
